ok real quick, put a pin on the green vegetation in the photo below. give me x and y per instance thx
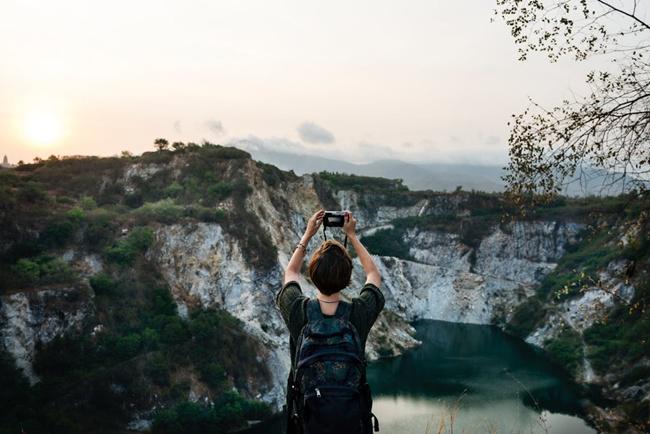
(566, 349)
(526, 317)
(274, 177)
(88, 203)
(388, 242)
(142, 351)
(42, 270)
(374, 191)
(227, 413)
(575, 268)
(126, 249)
(391, 242)
(624, 336)
(163, 211)
(362, 184)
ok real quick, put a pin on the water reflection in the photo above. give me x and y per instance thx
(497, 383)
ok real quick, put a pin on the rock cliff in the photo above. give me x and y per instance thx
(443, 275)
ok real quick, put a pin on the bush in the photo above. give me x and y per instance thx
(213, 375)
(43, 270)
(140, 238)
(31, 192)
(361, 184)
(125, 251)
(157, 369)
(578, 267)
(162, 302)
(163, 211)
(134, 200)
(526, 317)
(60, 229)
(174, 332)
(88, 203)
(218, 192)
(566, 349)
(76, 215)
(174, 189)
(128, 346)
(208, 215)
(100, 230)
(230, 411)
(388, 242)
(150, 339)
(27, 271)
(102, 284)
(618, 341)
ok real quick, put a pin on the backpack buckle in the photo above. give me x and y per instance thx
(376, 424)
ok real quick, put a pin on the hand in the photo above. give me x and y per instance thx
(314, 223)
(350, 224)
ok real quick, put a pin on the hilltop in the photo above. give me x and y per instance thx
(139, 289)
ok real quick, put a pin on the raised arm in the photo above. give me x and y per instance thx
(293, 268)
(372, 273)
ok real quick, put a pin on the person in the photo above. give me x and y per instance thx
(330, 270)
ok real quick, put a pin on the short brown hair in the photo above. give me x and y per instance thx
(330, 267)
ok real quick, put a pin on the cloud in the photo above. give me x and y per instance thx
(216, 127)
(312, 133)
(407, 145)
(253, 143)
(492, 140)
(177, 127)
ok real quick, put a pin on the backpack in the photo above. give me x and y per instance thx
(328, 391)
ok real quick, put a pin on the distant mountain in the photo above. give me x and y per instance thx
(428, 176)
(423, 176)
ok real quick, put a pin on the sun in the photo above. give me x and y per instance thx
(42, 127)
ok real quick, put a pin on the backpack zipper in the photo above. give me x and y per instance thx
(318, 391)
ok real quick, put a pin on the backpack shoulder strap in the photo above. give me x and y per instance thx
(343, 310)
(313, 310)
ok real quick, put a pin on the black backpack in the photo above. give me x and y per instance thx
(328, 391)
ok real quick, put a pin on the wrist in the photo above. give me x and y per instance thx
(305, 239)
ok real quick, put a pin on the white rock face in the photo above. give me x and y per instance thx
(422, 291)
(205, 266)
(592, 305)
(442, 249)
(526, 252)
(28, 319)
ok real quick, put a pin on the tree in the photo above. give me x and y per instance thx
(161, 144)
(605, 134)
(178, 146)
(126, 154)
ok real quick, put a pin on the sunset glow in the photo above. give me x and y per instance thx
(42, 128)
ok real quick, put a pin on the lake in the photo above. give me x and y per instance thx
(477, 376)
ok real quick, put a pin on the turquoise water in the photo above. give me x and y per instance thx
(469, 378)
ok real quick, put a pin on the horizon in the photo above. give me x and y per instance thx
(114, 155)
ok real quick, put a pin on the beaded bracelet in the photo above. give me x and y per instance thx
(301, 245)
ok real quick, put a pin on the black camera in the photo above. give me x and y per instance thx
(334, 219)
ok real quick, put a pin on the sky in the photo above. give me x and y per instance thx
(354, 80)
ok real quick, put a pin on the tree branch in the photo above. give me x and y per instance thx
(631, 15)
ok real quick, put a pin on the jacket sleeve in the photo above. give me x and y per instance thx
(289, 302)
(373, 302)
